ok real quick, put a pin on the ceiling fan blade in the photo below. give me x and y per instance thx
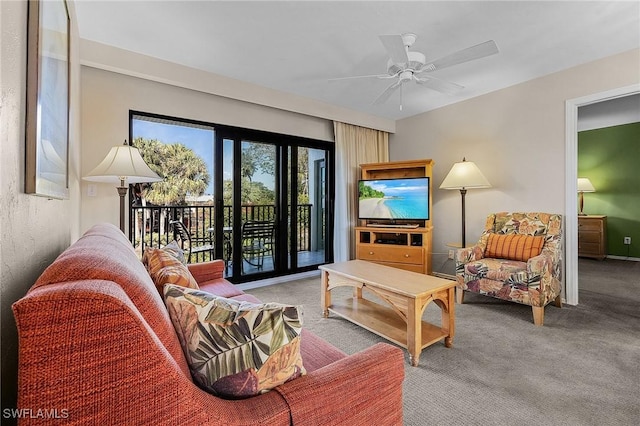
(469, 54)
(382, 76)
(384, 96)
(439, 85)
(395, 48)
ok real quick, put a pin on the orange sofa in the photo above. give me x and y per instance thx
(96, 346)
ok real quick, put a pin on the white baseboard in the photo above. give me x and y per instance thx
(633, 259)
(277, 280)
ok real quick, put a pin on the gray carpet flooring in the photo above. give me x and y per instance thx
(581, 368)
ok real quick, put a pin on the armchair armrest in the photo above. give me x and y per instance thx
(544, 273)
(364, 388)
(207, 271)
(466, 255)
(469, 254)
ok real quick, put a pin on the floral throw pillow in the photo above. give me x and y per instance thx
(236, 349)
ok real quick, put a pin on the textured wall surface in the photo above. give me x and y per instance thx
(34, 230)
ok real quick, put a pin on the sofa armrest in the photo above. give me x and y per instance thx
(364, 388)
(207, 271)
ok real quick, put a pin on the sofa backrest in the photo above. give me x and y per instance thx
(548, 225)
(104, 253)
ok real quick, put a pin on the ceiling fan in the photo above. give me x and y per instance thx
(405, 66)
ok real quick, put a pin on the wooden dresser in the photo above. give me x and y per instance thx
(592, 236)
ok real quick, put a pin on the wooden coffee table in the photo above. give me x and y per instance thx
(407, 294)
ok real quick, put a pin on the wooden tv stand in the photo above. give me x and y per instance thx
(402, 245)
(404, 248)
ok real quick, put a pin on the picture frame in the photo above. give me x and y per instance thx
(47, 118)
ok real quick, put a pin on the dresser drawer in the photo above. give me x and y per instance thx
(589, 249)
(589, 237)
(412, 255)
(589, 225)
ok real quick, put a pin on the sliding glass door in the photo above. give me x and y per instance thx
(276, 199)
(262, 200)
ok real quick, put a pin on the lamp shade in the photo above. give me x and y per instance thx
(123, 163)
(465, 175)
(585, 185)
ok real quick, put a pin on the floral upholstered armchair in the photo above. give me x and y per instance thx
(518, 258)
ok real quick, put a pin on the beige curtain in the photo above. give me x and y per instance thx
(354, 146)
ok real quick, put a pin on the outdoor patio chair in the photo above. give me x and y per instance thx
(257, 242)
(191, 245)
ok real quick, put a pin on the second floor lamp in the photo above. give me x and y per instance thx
(464, 175)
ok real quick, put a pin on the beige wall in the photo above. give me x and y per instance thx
(107, 98)
(516, 136)
(34, 229)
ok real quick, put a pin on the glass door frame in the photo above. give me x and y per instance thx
(285, 261)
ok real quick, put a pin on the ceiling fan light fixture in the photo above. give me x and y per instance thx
(406, 76)
(416, 62)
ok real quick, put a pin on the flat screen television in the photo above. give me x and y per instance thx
(394, 199)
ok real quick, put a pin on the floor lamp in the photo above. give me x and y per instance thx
(123, 165)
(464, 175)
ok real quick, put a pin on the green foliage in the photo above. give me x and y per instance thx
(303, 175)
(183, 171)
(251, 193)
(258, 157)
(368, 192)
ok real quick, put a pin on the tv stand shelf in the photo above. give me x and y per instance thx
(384, 225)
(408, 249)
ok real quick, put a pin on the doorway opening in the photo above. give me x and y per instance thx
(571, 177)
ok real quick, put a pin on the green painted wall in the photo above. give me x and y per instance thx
(610, 158)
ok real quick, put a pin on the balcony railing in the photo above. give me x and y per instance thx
(150, 224)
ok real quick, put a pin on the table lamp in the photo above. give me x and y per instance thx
(124, 165)
(464, 175)
(584, 185)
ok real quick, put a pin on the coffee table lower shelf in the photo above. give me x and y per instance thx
(384, 321)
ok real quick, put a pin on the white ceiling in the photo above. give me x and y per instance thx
(296, 46)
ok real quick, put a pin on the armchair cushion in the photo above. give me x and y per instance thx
(236, 349)
(513, 246)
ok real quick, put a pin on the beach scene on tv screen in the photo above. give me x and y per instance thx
(394, 199)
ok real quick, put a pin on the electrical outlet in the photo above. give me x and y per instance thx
(627, 240)
(451, 254)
